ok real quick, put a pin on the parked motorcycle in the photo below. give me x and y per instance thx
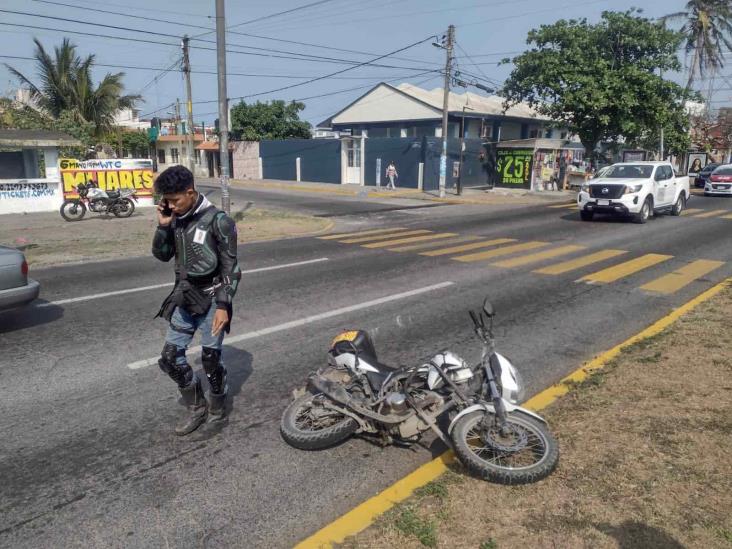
(491, 434)
(118, 203)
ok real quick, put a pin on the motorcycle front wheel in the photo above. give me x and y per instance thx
(308, 425)
(524, 452)
(125, 208)
(73, 210)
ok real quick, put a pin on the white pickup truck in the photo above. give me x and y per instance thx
(637, 189)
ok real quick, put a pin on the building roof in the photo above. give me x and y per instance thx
(386, 103)
(36, 138)
(211, 146)
(180, 138)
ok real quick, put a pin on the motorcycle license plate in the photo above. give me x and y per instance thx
(603, 202)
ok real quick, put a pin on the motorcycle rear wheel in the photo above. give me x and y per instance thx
(307, 425)
(125, 209)
(73, 210)
(526, 454)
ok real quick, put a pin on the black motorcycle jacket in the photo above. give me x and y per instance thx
(204, 243)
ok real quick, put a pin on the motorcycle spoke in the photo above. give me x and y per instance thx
(530, 451)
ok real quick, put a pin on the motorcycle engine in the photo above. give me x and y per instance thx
(97, 206)
(431, 404)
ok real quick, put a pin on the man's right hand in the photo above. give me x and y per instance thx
(164, 220)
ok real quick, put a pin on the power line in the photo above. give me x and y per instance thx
(300, 56)
(270, 16)
(325, 75)
(249, 35)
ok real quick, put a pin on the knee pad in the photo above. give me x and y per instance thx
(215, 371)
(182, 374)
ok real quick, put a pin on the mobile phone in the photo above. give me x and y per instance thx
(167, 211)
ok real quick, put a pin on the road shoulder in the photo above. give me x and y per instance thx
(47, 240)
(645, 444)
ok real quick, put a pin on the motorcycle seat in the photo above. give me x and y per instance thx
(113, 194)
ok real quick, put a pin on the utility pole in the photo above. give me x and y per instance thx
(189, 102)
(223, 104)
(445, 107)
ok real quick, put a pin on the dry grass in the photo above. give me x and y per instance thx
(646, 460)
(46, 239)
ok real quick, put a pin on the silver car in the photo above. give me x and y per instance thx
(16, 289)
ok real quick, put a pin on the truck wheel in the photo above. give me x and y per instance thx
(679, 206)
(645, 212)
(586, 216)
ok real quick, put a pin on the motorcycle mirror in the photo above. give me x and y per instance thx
(488, 308)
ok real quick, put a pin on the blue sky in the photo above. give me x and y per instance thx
(487, 31)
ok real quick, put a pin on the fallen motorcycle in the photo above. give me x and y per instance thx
(491, 434)
(91, 197)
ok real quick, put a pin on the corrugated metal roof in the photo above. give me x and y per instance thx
(477, 104)
(37, 138)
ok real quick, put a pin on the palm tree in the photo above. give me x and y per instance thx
(66, 86)
(708, 28)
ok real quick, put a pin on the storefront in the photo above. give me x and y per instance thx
(540, 164)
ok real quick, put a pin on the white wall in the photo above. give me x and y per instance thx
(30, 195)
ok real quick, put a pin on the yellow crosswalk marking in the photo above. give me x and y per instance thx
(466, 247)
(727, 216)
(374, 238)
(676, 280)
(574, 264)
(425, 245)
(539, 256)
(408, 240)
(691, 211)
(628, 268)
(360, 233)
(498, 252)
(712, 213)
(559, 206)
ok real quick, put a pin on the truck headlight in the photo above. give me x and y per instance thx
(585, 188)
(632, 189)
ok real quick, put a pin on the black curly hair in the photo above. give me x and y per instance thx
(174, 180)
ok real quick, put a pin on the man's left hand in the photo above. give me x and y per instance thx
(220, 320)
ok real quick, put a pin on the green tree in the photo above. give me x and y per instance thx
(601, 80)
(273, 120)
(707, 28)
(66, 85)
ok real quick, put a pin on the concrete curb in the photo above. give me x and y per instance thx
(525, 198)
(364, 515)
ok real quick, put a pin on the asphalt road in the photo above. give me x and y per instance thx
(88, 458)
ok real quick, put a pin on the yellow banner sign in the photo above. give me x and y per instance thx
(109, 174)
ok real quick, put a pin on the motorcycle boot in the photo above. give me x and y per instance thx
(195, 401)
(216, 374)
(190, 389)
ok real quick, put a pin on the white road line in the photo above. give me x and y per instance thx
(303, 321)
(167, 284)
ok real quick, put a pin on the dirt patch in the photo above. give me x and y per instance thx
(646, 446)
(46, 239)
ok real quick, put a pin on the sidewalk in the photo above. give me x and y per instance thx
(470, 195)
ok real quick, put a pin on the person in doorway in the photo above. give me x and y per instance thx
(391, 176)
(203, 241)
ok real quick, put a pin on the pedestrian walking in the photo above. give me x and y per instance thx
(202, 239)
(391, 176)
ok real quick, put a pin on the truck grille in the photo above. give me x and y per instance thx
(613, 191)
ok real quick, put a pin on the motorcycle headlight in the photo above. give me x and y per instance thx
(512, 384)
(632, 189)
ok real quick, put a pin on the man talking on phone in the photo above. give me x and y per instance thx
(202, 239)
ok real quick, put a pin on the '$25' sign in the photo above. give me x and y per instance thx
(514, 166)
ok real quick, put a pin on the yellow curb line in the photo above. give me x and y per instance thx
(362, 516)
